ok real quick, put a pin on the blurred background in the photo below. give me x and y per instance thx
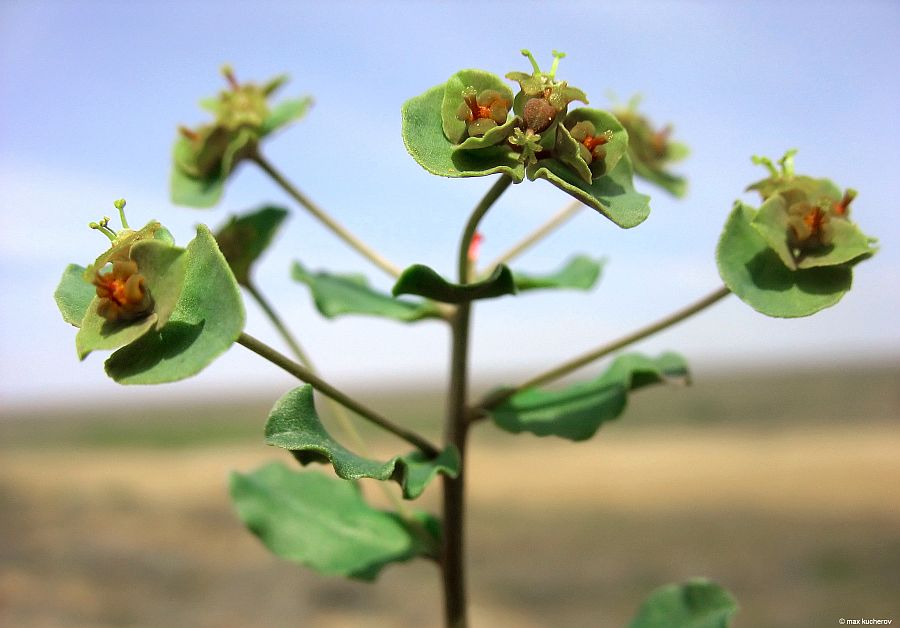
(776, 474)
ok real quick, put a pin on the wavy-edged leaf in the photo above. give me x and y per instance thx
(758, 276)
(697, 603)
(425, 282)
(295, 425)
(577, 411)
(284, 113)
(206, 321)
(73, 294)
(424, 139)
(324, 523)
(580, 273)
(244, 238)
(455, 129)
(612, 195)
(335, 295)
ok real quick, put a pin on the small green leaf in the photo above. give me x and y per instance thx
(73, 294)
(284, 113)
(295, 425)
(577, 411)
(189, 190)
(697, 603)
(335, 295)
(206, 321)
(612, 195)
(758, 276)
(424, 139)
(580, 273)
(323, 523)
(672, 183)
(244, 238)
(425, 282)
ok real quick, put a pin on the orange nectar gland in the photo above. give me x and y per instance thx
(482, 111)
(122, 293)
(585, 134)
(809, 226)
(659, 141)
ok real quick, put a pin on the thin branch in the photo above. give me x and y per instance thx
(340, 231)
(306, 375)
(555, 221)
(565, 368)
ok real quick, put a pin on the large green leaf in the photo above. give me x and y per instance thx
(206, 321)
(697, 603)
(335, 295)
(73, 295)
(324, 523)
(577, 411)
(758, 276)
(612, 195)
(426, 282)
(580, 273)
(244, 238)
(294, 424)
(424, 138)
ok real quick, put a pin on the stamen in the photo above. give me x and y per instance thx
(527, 53)
(556, 57)
(228, 73)
(189, 133)
(120, 205)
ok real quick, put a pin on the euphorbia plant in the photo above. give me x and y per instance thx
(168, 311)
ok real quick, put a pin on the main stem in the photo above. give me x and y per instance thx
(456, 431)
(339, 230)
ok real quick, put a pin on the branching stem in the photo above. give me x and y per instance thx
(456, 427)
(305, 374)
(583, 360)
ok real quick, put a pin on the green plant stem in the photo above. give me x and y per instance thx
(576, 363)
(361, 247)
(340, 413)
(456, 429)
(555, 221)
(305, 374)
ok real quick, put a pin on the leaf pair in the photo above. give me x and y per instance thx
(197, 312)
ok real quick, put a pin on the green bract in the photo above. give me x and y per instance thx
(652, 151)
(794, 255)
(472, 126)
(244, 238)
(193, 313)
(295, 425)
(204, 157)
(425, 282)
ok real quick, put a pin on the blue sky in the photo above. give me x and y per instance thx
(91, 93)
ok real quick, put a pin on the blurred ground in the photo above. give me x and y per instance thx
(784, 488)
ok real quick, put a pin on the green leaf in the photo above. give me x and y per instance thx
(206, 321)
(247, 236)
(612, 195)
(580, 273)
(73, 294)
(577, 411)
(295, 425)
(672, 183)
(425, 282)
(162, 266)
(323, 523)
(98, 334)
(284, 113)
(424, 139)
(335, 295)
(697, 603)
(189, 190)
(756, 274)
